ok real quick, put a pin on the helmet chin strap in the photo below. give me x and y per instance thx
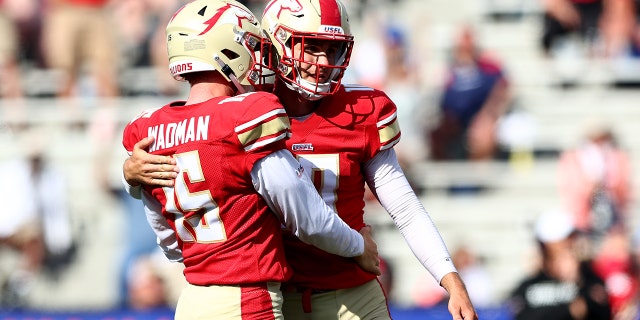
(302, 92)
(226, 70)
(309, 90)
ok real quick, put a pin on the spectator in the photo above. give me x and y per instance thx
(27, 17)
(141, 25)
(565, 17)
(618, 26)
(13, 14)
(146, 286)
(576, 31)
(475, 275)
(10, 80)
(631, 309)
(78, 34)
(624, 47)
(427, 293)
(139, 241)
(614, 263)
(564, 287)
(34, 220)
(402, 84)
(475, 96)
(368, 63)
(606, 23)
(594, 181)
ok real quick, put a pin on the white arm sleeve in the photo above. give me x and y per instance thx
(387, 181)
(166, 237)
(135, 192)
(280, 180)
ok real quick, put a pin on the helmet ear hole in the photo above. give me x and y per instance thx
(230, 54)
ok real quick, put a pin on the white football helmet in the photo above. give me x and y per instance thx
(221, 35)
(288, 22)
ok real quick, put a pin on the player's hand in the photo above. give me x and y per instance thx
(148, 169)
(369, 260)
(460, 305)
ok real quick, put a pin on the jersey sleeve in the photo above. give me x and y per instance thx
(132, 132)
(263, 127)
(130, 136)
(386, 133)
(387, 124)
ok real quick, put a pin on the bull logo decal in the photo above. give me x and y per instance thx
(285, 5)
(240, 13)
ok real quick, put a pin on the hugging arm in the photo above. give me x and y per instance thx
(290, 195)
(144, 168)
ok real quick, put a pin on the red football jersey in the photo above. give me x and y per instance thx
(348, 129)
(226, 231)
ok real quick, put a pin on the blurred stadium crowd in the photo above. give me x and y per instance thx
(518, 120)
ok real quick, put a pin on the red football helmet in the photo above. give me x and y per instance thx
(319, 28)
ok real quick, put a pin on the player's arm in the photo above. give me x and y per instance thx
(165, 235)
(279, 178)
(294, 199)
(142, 168)
(388, 182)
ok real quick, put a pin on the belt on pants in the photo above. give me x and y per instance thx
(306, 294)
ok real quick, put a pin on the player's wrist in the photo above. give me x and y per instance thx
(126, 176)
(452, 283)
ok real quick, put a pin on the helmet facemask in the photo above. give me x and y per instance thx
(260, 73)
(313, 64)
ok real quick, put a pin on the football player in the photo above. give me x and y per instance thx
(344, 137)
(234, 173)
